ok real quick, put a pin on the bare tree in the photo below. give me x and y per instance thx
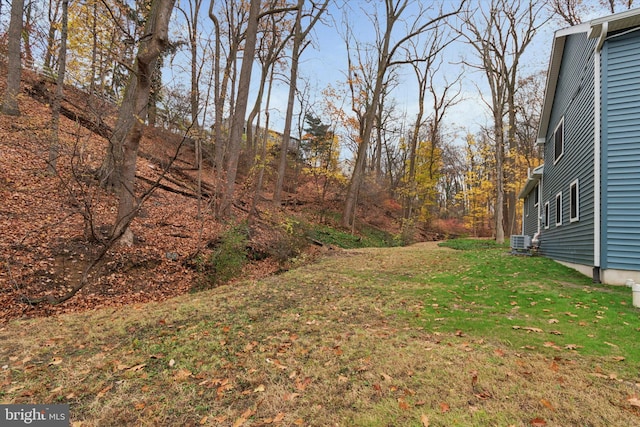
(54, 145)
(237, 119)
(14, 66)
(240, 109)
(387, 50)
(570, 11)
(425, 71)
(236, 20)
(299, 36)
(500, 33)
(274, 36)
(154, 41)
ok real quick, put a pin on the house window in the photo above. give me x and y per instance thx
(558, 138)
(536, 196)
(574, 202)
(559, 209)
(545, 219)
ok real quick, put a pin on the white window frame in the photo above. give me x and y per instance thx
(555, 131)
(558, 209)
(574, 184)
(546, 214)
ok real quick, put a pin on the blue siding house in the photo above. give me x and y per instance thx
(584, 202)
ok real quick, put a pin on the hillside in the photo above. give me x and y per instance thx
(51, 224)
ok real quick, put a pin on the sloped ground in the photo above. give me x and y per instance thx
(45, 246)
(47, 242)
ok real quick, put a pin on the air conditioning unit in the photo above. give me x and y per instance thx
(520, 242)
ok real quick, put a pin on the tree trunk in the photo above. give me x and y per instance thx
(54, 147)
(148, 51)
(293, 81)
(237, 121)
(499, 147)
(51, 35)
(14, 66)
(219, 111)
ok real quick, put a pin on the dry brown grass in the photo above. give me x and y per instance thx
(330, 344)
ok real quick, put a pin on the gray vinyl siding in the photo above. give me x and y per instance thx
(573, 102)
(621, 153)
(531, 214)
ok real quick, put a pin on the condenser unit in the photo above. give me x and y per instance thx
(520, 242)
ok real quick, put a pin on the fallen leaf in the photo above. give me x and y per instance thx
(244, 417)
(290, 396)
(377, 388)
(204, 419)
(301, 385)
(498, 352)
(551, 321)
(555, 332)
(547, 404)
(424, 420)
(474, 378)
(551, 344)
(634, 401)
(403, 404)
(386, 377)
(172, 362)
(259, 389)
(618, 358)
(182, 375)
(554, 367)
(538, 422)
(140, 406)
(104, 390)
(571, 346)
(444, 408)
(279, 417)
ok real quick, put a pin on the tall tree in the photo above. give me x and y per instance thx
(387, 50)
(425, 71)
(55, 110)
(154, 41)
(242, 100)
(192, 16)
(500, 32)
(274, 36)
(53, 10)
(299, 36)
(236, 19)
(14, 65)
(238, 117)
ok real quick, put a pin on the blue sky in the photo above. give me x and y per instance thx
(326, 62)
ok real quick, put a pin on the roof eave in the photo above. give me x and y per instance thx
(552, 76)
(532, 181)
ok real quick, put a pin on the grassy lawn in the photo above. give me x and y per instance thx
(413, 336)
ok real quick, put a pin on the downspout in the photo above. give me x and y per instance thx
(597, 226)
(536, 237)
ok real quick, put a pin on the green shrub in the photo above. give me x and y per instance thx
(288, 241)
(228, 257)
